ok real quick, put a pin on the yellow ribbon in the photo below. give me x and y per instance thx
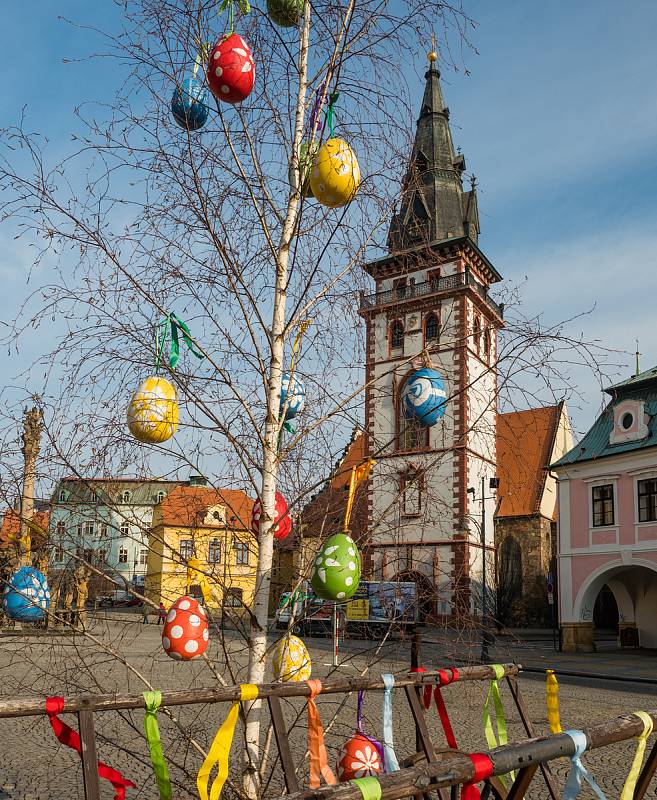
(630, 782)
(552, 697)
(358, 474)
(500, 718)
(220, 748)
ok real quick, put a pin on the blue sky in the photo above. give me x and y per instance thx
(558, 119)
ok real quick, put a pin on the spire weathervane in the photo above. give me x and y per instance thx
(638, 356)
(433, 55)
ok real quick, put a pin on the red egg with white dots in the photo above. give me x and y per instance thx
(186, 632)
(231, 70)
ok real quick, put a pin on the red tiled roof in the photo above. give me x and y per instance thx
(11, 525)
(525, 440)
(184, 506)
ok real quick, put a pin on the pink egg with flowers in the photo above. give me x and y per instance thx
(186, 632)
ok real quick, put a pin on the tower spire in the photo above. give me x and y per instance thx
(434, 206)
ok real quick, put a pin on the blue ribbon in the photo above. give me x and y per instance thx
(578, 771)
(389, 758)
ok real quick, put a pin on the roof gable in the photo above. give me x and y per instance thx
(195, 507)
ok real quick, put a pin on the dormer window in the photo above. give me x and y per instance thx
(160, 496)
(125, 497)
(62, 496)
(630, 422)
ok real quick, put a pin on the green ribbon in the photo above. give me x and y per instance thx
(153, 700)
(369, 787)
(244, 7)
(170, 327)
(331, 112)
(500, 718)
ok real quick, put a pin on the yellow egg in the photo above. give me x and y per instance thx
(291, 660)
(335, 176)
(153, 411)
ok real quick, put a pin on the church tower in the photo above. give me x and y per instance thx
(432, 308)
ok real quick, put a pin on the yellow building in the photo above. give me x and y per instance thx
(201, 542)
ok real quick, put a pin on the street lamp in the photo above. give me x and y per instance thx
(486, 637)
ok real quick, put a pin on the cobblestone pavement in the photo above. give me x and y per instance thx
(34, 767)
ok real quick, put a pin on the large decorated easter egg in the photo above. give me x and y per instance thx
(231, 71)
(26, 597)
(282, 519)
(336, 570)
(291, 660)
(335, 176)
(153, 411)
(423, 396)
(293, 392)
(285, 13)
(185, 634)
(358, 758)
(189, 104)
(307, 153)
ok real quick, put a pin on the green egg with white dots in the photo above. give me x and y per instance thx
(336, 569)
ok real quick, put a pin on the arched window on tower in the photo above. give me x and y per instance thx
(411, 435)
(509, 584)
(431, 329)
(396, 335)
(476, 333)
(487, 344)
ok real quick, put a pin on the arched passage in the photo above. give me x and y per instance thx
(634, 589)
(426, 592)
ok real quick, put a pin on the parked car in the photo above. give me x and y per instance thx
(119, 597)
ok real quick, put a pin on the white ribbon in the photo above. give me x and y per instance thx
(389, 758)
(578, 771)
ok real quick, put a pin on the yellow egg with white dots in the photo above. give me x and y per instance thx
(335, 175)
(291, 660)
(153, 411)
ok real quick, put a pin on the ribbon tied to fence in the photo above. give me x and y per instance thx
(390, 762)
(578, 771)
(369, 787)
(552, 698)
(445, 677)
(630, 781)
(319, 766)
(500, 718)
(67, 736)
(153, 700)
(220, 748)
(483, 768)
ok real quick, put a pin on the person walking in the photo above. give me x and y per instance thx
(161, 614)
(144, 613)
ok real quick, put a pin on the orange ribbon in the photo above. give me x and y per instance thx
(319, 766)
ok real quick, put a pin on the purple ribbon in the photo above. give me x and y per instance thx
(359, 726)
(317, 107)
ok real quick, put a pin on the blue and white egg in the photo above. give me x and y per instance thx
(293, 392)
(424, 396)
(190, 104)
(27, 596)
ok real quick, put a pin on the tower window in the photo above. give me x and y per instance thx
(431, 329)
(125, 497)
(487, 343)
(411, 494)
(397, 335)
(476, 333)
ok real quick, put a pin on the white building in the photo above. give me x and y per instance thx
(432, 302)
(106, 522)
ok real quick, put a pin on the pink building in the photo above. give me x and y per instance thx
(607, 496)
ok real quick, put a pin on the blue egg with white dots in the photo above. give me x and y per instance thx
(293, 392)
(424, 396)
(189, 104)
(26, 597)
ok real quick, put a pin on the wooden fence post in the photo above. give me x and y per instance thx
(89, 755)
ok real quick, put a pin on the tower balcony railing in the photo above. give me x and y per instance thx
(447, 283)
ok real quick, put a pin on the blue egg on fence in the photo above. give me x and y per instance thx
(424, 396)
(26, 596)
(189, 104)
(294, 393)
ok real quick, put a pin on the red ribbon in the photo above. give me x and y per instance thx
(70, 738)
(483, 768)
(444, 679)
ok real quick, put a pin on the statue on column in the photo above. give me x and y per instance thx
(82, 586)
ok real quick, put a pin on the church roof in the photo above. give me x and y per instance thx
(434, 207)
(596, 443)
(525, 443)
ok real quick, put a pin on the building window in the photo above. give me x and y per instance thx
(431, 329)
(214, 552)
(123, 555)
(88, 529)
(79, 530)
(125, 529)
(603, 505)
(476, 333)
(125, 497)
(88, 555)
(397, 335)
(62, 496)
(94, 497)
(186, 548)
(241, 553)
(102, 531)
(647, 500)
(160, 496)
(400, 288)
(102, 556)
(627, 420)
(487, 343)
(143, 556)
(412, 435)
(233, 598)
(411, 494)
(61, 529)
(58, 553)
